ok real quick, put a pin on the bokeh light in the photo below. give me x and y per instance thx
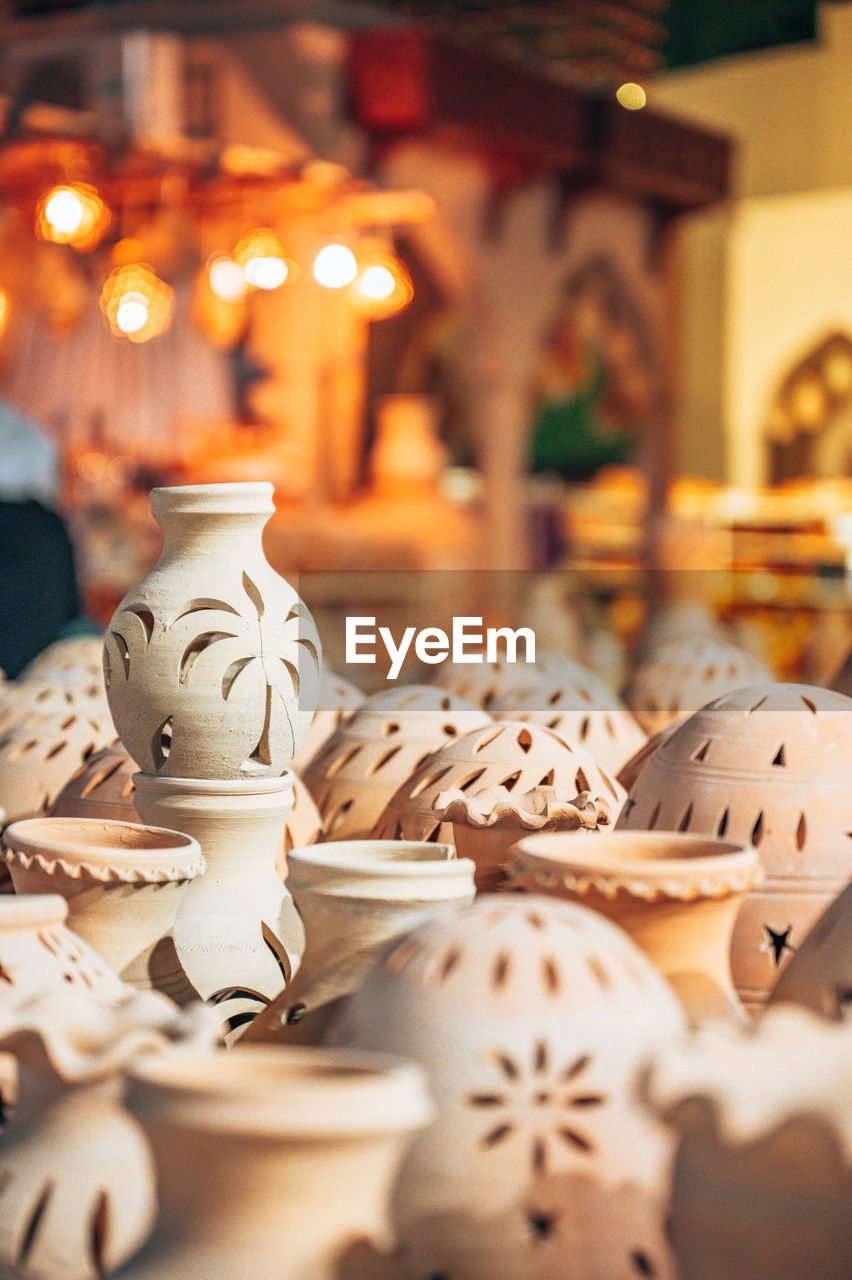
(72, 214)
(631, 96)
(335, 266)
(261, 257)
(137, 304)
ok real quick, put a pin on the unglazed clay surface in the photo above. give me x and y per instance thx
(488, 824)
(212, 662)
(507, 754)
(531, 1018)
(682, 676)
(123, 883)
(360, 767)
(298, 1149)
(771, 766)
(581, 709)
(338, 698)
(355, 897)
(677, 896)
(765, 1151)
(40, 754)
(77, 1192)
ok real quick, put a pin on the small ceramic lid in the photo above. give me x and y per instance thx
(105, 851)
(309, 1094)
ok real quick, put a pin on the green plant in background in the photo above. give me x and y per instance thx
(568, 437)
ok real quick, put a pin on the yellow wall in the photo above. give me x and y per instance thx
(765, 279)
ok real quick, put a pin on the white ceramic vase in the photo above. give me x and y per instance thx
(212, 662)
(355, 897)
(270, 1162)
(122, 882)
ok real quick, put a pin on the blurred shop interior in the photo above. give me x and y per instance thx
(559, 291)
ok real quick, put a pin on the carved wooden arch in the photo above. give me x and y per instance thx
(808, 405)
(620, 336)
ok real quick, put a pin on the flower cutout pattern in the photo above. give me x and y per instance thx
(551, 1103)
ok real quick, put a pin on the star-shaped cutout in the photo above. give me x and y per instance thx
(777, 943)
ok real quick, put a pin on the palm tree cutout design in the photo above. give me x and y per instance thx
(552, 1101)
(260, 666)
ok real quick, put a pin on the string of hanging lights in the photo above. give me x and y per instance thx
(120, 211)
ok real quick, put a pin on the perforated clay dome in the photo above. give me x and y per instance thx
(578, 706)
(770, 765)
(38, 757)
(378, 747)
(531, 1018)
(503, 754)
(338, 698)
(679, 678)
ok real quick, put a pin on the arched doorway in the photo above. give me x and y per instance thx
(809, 425)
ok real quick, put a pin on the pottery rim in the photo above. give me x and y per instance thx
(306, 1094)
(379, 857)
(262, 784)
(657, 863)
(245, 497)
(102, 847)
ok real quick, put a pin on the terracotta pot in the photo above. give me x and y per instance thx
(355, 897)
(39, 755)
(377, 748)
(515, 756)
(770, 766)
(531, 1018)
(765, 1151)
(38, 952)
(212, 661)
(819, 975)
(122, 882)
(270, 1162)
(630, 770)
(488, 824)
(676, 896)
(683, 676)
(581, 709)
(77, 1195)
(237, 933)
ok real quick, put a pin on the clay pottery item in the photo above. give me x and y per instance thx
(355, 897)
(77, 1195)
(676, 896)
(531, 1018)
(270, 1161)
(212, 661)
(39, 755)
(482, 683)
(77, 659)
(819, 975)
(580, 708)
(103, 788)
(237, 933)
(377, 748)
(122, 882)
(39, 952)
(681, 677)
(34, 700)
(488, 824)
(630, 770)
(763, 1174)
(769, 766)
(338, 698)
(517, 757)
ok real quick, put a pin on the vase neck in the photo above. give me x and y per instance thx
(186, 532)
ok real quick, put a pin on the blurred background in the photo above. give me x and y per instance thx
(536, 310)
